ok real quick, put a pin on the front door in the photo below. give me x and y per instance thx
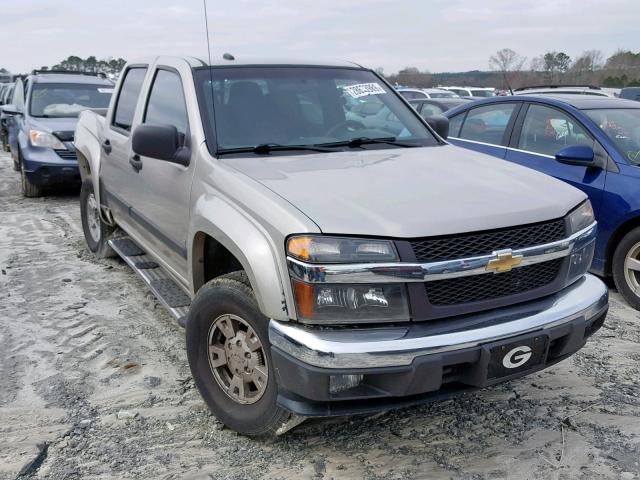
(545, 131)
(162, 202)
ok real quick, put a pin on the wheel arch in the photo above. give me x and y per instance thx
(238, 241)
(616, 237)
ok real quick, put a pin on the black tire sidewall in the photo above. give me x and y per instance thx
(86, 189)
(628, 241)
(213, 300)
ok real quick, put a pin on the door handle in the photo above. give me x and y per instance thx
(136, 163)
(106, 146)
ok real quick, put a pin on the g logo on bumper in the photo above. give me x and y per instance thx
(516, 357)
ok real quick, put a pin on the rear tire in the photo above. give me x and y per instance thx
(230, 357)
(96, 232)
(626, 267)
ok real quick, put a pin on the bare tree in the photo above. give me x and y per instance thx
(507, 62)
(585, 66)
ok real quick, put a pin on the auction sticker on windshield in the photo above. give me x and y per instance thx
(364, 89)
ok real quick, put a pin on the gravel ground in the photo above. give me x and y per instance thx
(94, 383)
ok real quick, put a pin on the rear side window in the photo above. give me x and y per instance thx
(487, 124)
(430, 109)
(166, 104)
(128, 98)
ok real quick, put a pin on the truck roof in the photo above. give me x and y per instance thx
(218, 61)
(69, 78)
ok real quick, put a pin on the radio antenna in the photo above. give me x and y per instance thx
(206, 26)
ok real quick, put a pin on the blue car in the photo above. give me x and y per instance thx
(41, 122)
(593, 143)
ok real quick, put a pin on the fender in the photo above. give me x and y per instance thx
(252, 246)
(88, 150)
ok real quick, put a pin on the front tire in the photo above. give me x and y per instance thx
(626, 267)
(29, 189)
(230, 358)
(96, 232)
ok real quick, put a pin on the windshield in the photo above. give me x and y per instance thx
(304, 106)
(67, 99)
(623, 127)
(482, 93)
(443, 94)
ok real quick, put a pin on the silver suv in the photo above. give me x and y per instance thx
(322, 266)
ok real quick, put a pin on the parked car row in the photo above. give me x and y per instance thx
(39, 121)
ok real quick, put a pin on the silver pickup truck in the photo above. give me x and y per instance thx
(321, 264)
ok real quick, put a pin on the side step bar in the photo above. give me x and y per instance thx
(168, 292)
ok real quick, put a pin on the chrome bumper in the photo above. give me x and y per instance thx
(342, 348)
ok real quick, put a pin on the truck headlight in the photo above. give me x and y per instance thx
(321, 249)
(581, 217)
(45, 139)
(580, 260)
(351, 303)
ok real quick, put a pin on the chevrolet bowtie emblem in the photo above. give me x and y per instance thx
(505, 260)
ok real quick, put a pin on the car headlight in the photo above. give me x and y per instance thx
(351, 303)
(321, 249)
(45, 139)
(581, 217)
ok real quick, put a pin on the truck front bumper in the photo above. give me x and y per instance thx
(340, 371)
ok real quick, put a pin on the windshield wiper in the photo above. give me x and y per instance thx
(359, 141)
(273, 147)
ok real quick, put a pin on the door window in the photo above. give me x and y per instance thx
(166, 105)
(547, 130)
(487, 124)
(128, 98)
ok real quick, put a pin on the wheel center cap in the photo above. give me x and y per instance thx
(239, 356)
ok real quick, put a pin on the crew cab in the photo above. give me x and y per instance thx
(41, 121)
(320, 265)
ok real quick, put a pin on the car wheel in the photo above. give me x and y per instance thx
(626, 267)
(96, 232)
(29, 189)
(230, 358)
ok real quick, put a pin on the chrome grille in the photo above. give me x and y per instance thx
(454, 291)
(486, 242)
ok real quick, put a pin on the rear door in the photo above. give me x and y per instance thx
(542, 131)
(162, 199)
(485, 129)
(119, 181)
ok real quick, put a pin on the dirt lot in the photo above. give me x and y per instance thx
(94, 383)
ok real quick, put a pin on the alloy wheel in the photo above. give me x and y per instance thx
(632, 268)
(93, 217)
(237, 359)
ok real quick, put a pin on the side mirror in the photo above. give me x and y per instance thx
(10, 109)
(161, 142)
(581, 155)
(440, 124)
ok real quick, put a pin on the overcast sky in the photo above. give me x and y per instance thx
(434, 35)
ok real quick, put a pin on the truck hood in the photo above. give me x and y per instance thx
(412, 192)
